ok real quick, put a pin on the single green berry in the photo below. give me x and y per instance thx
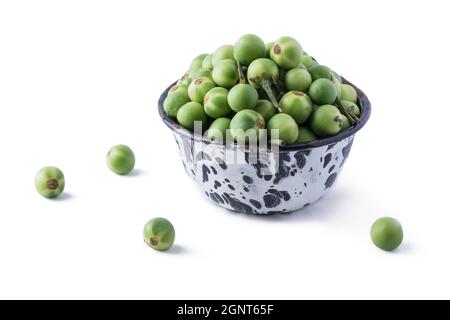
(121, 159)
(216, 103)
(287, 53)
(245, 125)
(320, 72)
(178, 88)
(159, 234)
(197, 62)
(185, 79)
(207, 62)
(175, 101)
(262, 69)
(218, 129)
(298, 105)
(308, 61)
(298, 79)
(199, 87)
(249, 48)
(225, 73)
(351, 108)
(349, 93)
(49, 182)
(323, 91)
(242, 96)
(305, 135)
(266, 109)
(387, 234)
(222, 53)
(191, 113)
(327, 121)
(286, 127)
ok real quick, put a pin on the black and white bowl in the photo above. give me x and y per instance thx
(280, 181)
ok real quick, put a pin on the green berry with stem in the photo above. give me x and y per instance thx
(245, 125)
(327, 121)
(121, 159)
(351, 108)
(159, 234)
(49, 182)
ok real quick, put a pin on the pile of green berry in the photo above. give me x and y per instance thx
(253, 85)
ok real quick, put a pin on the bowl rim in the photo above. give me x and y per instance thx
(363, 102)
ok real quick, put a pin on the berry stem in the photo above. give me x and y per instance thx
(266, 85)
(353, 118)
(242, 79)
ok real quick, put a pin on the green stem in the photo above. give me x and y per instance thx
(266, 85)
(278, 86)
(353, 119)
(242, 79)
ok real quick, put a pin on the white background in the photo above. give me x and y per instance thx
(77, 77)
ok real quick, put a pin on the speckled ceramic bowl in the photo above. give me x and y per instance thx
(302, 174)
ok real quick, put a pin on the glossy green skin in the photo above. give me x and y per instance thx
(305, 135)
(308, 61)
(197, 63)
(346, 124)
(201, 72)
(387, 234)
(269, 47)
(159, 234)
(327, 121)
(298, 79)
(245, 124)
(218, 129)
(222, 53)
(121, 159)
(174, 102)
(261, 69)
(178, 88)
(298, 105)
(242, 96)
(216, 103)
(287, 127)
(198, 89)
(249, 48)
(351, 108)
(226, 73)
(287, 53)
(266, 109)
(323, 91)
(207, 62)
(190, 113)
(320, 72)
(49, 182)
(349, 93)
